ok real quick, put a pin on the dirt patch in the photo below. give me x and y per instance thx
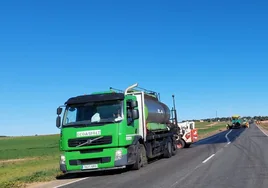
(53, 183)
(209, 134)
(263, 127)
(15, 160)
(210, 125)
(35, 185)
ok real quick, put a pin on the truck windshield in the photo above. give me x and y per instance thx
(93, 113)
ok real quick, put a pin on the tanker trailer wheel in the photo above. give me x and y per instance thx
(168, 149)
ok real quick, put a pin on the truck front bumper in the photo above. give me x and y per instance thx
(88, 160)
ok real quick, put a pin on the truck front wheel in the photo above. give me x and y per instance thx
(141, 158)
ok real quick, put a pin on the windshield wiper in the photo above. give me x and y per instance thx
(101, 122)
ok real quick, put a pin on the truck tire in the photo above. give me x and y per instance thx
(180, 144)
(141, 158)
(168, 149)
(174, 148)
(144, 156)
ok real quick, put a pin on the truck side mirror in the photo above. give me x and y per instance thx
(58, 121)
(135, 114)
(59, 110)
(132, 104)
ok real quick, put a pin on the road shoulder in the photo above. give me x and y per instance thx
(264, 131)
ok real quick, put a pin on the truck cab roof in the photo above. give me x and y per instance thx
(97, 97)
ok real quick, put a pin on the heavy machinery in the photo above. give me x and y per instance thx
(237, 122)
(115, 129)
(189, 134)
(245, 123)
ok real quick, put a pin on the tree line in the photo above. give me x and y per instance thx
(257, 118)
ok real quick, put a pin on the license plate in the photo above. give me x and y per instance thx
(91, 166)
(88, 133)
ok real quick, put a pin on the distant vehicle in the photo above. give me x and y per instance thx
(237, 122)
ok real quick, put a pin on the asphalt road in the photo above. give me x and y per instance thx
(236, 158)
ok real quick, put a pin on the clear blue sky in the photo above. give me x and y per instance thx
(211, 54)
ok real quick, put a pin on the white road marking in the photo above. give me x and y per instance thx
(71, 182)
(226, 136)
(208, 158)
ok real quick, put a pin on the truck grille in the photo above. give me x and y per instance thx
(90, 161)
(78, 141)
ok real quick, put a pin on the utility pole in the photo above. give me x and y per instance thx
(175, 112)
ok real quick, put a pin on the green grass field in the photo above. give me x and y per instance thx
(28, 159)
(202, 124)
(28, 146)
(206, 129)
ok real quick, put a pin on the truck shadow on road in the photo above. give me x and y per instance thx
(222, 137)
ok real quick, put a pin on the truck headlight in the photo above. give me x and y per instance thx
(118, 155)
(62, 159)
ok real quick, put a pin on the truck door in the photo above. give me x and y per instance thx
(132, 127)
(141, 125)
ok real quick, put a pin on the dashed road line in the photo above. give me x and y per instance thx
(206, 160)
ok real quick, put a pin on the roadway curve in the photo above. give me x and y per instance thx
(236, 158)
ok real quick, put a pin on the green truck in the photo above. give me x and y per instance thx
(114, 130)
